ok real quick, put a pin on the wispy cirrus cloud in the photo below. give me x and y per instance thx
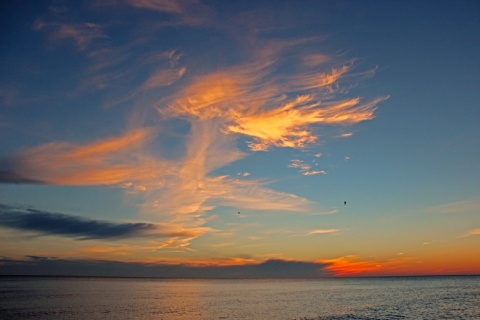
(256, 103)
(474, 232)
(323, 212)
(273, 93)
(304, 168)
(170, 6)
(427, 243)
(207, 149)
(457, 207)
(111, 161)
(162, 78)
(81, 34)
(323, 231)
(190, 12)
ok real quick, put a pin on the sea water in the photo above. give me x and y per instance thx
(346, 298)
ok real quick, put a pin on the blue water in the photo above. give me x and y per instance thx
(120, 298)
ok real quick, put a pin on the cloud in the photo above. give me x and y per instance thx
(457, 207)
(305, 168)
(269, 93)
(190, 12)
(427, 243)
(323, 212)
(353, 265)
(287, 125)
(252, 195)
(474, 232)
(163, 78)
(316, 59)
(37, 265)
(7, 176)
(322, 231)
(177, 192)
(59, 224)
(170, 6)
(190, 188)
(274, 110)
(314, 172)
(346, 135)
(111, 161)
(82, 34)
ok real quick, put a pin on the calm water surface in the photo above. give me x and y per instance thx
(116, 298)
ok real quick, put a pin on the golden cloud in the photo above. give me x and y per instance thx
(252, 101)
(322, 231)
(109, 161)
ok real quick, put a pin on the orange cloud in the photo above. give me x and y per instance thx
(319, 80)
(274, 110)
(322, 231)
(287, 125)
(216, 95)
(189, 190)
(350, 265)
(110, 161)
(475, 232)
(354, 266)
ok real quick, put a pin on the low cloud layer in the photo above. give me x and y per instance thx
(36, 265)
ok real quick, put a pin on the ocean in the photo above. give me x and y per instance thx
(416, 298)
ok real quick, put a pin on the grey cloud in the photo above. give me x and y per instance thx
(7, 176)
(49, 223)
(9, 172)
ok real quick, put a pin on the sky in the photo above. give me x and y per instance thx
(240, 138)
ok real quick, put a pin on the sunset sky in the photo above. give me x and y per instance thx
(221, 138)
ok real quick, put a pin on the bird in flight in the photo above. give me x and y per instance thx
(344, 203)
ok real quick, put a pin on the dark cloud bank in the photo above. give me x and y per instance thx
(47, 266)
(49, 223)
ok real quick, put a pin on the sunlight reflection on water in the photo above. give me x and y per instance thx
(113, 298)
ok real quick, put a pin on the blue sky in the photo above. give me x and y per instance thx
(160, 120)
